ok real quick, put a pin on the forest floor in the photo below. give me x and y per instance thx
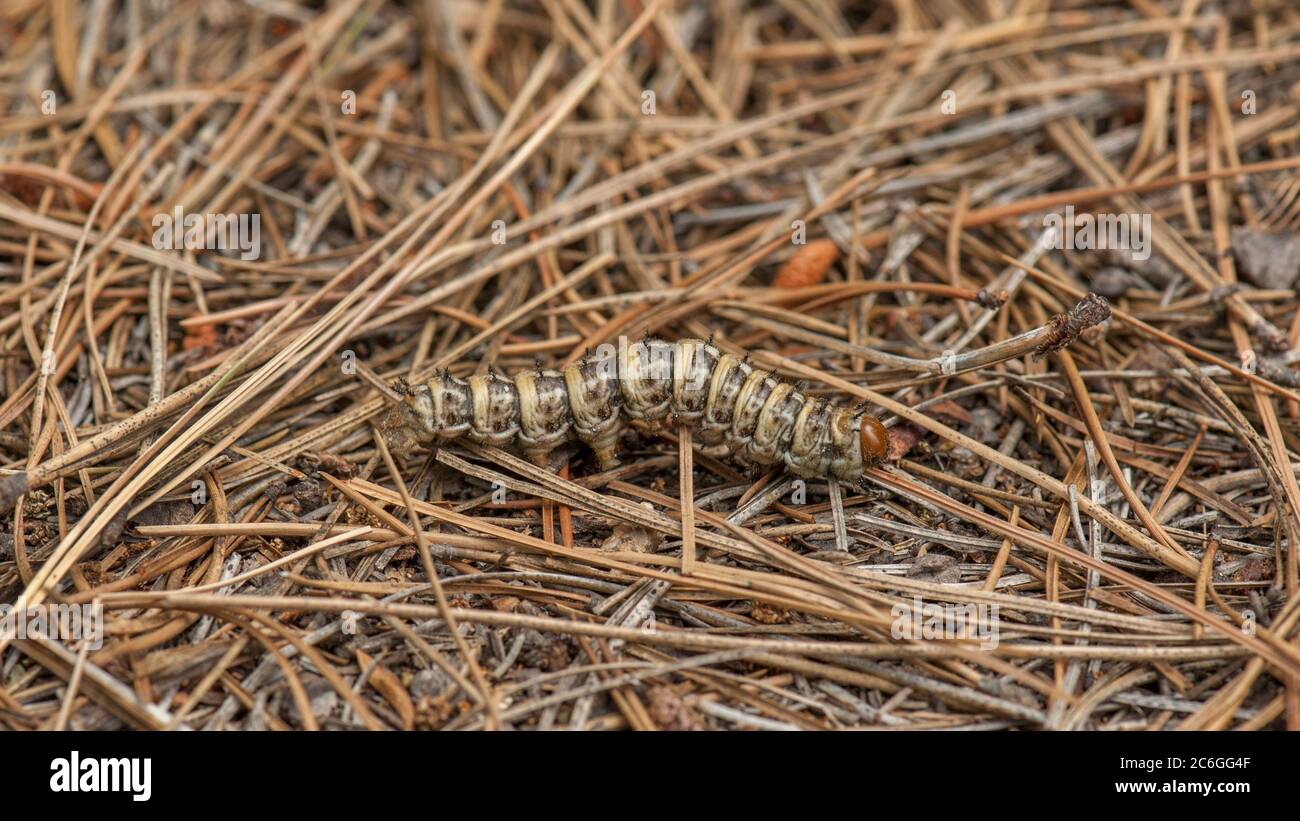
(226, 233)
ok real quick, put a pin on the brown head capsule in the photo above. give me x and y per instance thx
(875, 440)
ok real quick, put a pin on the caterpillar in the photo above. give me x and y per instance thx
(726, 401)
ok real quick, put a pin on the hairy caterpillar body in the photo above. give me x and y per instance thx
(725, 400)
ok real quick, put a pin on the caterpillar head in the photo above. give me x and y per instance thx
(874, 439)
(407, 421)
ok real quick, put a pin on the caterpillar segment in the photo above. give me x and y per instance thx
(494, 419)
(544, 420)
(761, 419)
(594, 400)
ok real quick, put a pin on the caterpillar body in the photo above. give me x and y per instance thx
(726, 401)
